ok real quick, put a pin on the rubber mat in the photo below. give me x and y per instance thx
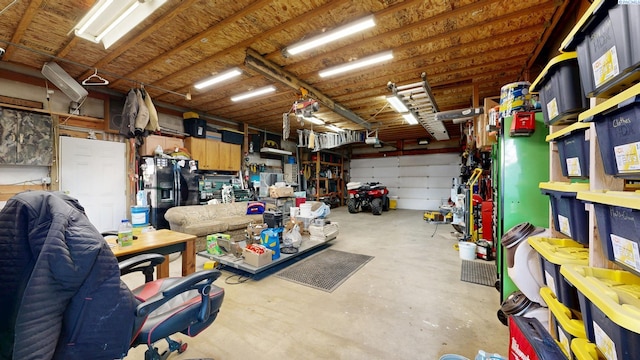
(483, 273)
(325, 270)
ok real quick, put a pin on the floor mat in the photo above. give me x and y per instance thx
(325, 270)
(477, 272)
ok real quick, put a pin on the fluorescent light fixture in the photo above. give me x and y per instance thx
(220, 77)
(108, 20)
(268, 150)
(254, 93)
(423, 141)
(313, 120)
(411, 119)
(397, 104)
(357, 64)
(332, 35)
(334, 128)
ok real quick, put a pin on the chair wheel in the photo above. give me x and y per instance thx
(183, 347)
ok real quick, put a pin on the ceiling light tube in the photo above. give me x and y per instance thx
(94, 16)
(313, 120)
(397, 104)
(332, 35)
(253, 93)
(117, 21)
(220, 77)
(334, 128)
(411, 119)
(357, 64)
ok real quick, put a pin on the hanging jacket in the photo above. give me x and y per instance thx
(142, 117)
(129, 113)
(153, 124)
(61, 295)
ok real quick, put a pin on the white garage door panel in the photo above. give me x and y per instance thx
(391, 161)
(361, 173)
(435, 159)
(421, 193)
(427, 182)
(430, 170)
(418, 204)
(385, 172)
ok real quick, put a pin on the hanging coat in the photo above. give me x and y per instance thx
(129, 113)
(153, 124)
(142, 118)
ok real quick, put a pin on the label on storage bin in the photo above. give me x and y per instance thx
(625, 252)
(564, 342)
(563, 222)
(573, 166)
(550, 281)
(606, 346)
(552, 109)
(627, 156)
(605, 67)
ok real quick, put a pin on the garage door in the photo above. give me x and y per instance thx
(421, 182)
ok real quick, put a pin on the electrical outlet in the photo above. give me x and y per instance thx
(46, 180)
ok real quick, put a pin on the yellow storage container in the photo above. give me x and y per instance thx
(582, 349)
(553, 254)
(566, 324)
(610, 306)
(617, 214)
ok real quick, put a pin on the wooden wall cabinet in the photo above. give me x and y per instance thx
(151, 142)
(214, 155)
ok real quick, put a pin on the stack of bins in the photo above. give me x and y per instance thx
(610, 309)
(559, 295)
(569, 214)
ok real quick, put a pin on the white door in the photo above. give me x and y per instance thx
(93, 171)
(421, 182)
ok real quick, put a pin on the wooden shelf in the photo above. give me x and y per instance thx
(324, 182)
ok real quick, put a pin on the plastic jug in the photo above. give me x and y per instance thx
(125, 233)
(483, 355)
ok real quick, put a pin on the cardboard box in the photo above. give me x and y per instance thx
(279, 192)
(256, 260)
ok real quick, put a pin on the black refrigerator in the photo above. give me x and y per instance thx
(168, 182)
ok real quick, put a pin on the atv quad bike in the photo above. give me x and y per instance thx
(368, 196)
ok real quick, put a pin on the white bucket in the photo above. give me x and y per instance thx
(305, 210)
(294, 211)
(467, 250)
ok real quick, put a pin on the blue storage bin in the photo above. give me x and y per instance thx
(573, 149)
(569, 214)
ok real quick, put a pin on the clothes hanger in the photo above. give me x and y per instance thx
(100, 79)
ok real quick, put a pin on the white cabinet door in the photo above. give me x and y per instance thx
(93, 171)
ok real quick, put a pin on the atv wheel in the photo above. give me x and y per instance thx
(385, 203)
(351, 205)
(376, 206)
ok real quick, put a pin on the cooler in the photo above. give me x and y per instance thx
(553, 254)
(607, 40)
(573, 149)
(617, 121)
(528, 339)
(560, 90)
(610, 309)
(618, 219)
(569, 214)
(566, 325)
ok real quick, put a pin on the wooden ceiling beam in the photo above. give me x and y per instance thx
(25, 21)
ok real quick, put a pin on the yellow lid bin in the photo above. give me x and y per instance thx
(566, 324)
(569, 214)
(618, 218)
(582, 349)
(553, 254)
(573, 150)
(610, 305)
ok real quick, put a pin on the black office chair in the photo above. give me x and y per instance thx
(62, 296)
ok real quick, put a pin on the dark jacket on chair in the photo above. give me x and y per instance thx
(61, 296)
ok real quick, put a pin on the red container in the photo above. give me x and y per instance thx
(524, 123)
(300, 201)
(487, 220)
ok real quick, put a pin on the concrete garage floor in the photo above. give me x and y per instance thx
(406, 303)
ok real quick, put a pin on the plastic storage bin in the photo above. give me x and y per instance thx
(566, 324)
(553, 254)
(528, 339)
(232, 137)
(573, 149)
(618, 219)
(617, 121)
(610, 309)
(272, 218)
(582, 349)
(195, 127)
(607, 40)
(569, 214)
(560, 90)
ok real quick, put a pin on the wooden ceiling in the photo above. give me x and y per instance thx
(459, 44)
